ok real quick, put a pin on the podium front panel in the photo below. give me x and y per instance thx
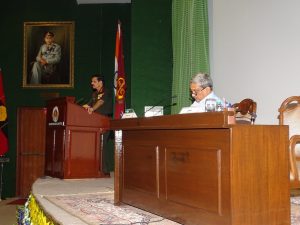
(82, 153)
(73, 144)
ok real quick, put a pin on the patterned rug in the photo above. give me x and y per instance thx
(98, 208)
(295, 210)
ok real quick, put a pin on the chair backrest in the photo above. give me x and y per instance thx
(245, 111)
(289, 114)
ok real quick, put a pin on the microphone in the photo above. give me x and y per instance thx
(79, 100)
(161, 101)
(170, 105)
(167, 106)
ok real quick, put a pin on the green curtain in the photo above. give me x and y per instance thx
(190, 46)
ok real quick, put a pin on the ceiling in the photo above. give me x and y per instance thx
(101, 1)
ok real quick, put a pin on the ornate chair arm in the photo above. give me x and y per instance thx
(295, 139)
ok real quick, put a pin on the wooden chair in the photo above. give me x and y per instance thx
(289, 114)
(245, 111)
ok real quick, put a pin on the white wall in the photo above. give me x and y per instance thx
(255, 52)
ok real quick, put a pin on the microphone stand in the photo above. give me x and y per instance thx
(167, 106)
(79, 100)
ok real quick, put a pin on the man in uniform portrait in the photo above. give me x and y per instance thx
(44, 69)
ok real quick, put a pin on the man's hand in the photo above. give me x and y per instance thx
(86, 106)
(43, 61)
(90, 110)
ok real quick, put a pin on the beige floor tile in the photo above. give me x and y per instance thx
(7, 212)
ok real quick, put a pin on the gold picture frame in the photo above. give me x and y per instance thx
(48, 55)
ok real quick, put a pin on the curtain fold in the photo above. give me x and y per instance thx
(190, 46)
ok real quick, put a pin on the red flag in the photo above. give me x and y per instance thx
(120, 84)
(3, 120)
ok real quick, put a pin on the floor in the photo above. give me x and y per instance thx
(7, 212)
(54, 186)
(43, 186)
(47, 186)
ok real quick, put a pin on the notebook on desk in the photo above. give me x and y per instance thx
(190, 109)
(129, 113)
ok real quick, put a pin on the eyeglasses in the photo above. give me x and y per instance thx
(196, 91)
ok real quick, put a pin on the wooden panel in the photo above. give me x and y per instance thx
(260, 175)
(179, 121)
(31, 167)
(59, 135)
(73, 140)
(204, 193)
(216, 175)
(55, 152)
(30, 148)
(72, 114)
(140, 168)
(31, 124)
(82, 154)
(185, 172)
(49, 154)
(84, 119)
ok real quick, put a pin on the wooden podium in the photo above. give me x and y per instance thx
(199, 169)
(73, 140)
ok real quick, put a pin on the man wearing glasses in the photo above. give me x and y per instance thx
(201, 87)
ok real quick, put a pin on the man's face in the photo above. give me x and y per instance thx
(96, 84)
(198, 93)
(49, 39)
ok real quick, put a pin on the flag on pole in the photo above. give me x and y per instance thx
(3, 120)
(119, 81)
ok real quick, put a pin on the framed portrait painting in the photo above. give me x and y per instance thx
(48, 55)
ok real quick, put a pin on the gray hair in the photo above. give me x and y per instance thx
(204, 80)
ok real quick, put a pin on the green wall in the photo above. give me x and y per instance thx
(95, 30)
(151, 54)
(146, 26)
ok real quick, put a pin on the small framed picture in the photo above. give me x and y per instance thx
(48, 55)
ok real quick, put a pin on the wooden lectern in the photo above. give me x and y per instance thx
(199, 169)
(73, 143)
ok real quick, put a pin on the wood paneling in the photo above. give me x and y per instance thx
(73, 146)
(30, 148)
(217, 175)
(181, 165)
(81, 161)
(140, 174)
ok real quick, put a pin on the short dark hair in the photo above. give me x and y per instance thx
(48, 33)
(99, 78)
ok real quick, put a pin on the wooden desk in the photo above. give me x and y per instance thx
(197, 169)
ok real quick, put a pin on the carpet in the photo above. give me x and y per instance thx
(98, 208)
(295, 210)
